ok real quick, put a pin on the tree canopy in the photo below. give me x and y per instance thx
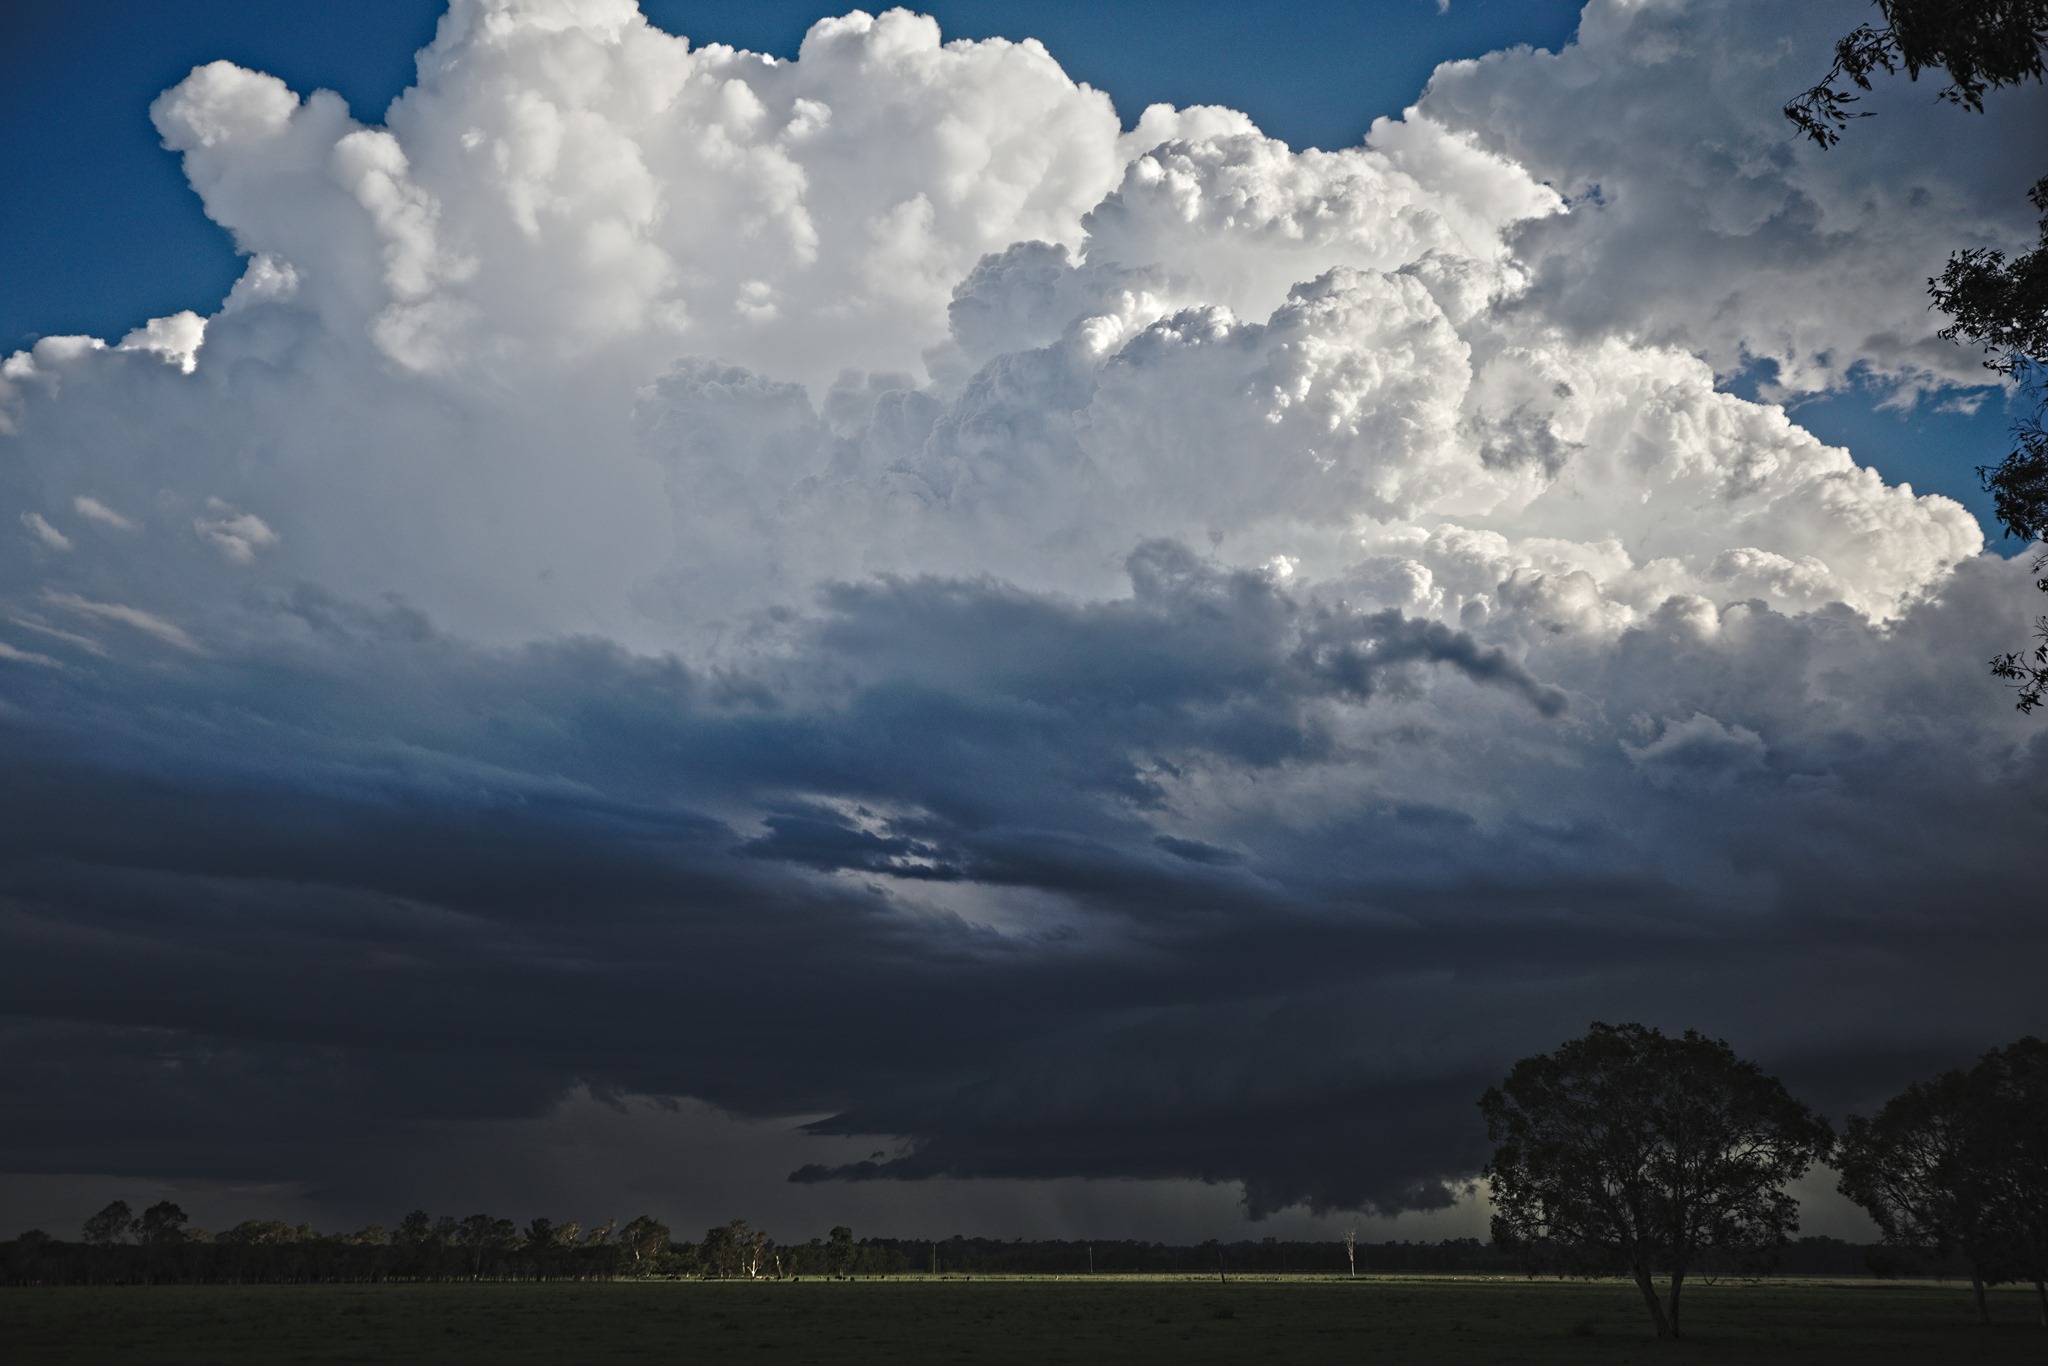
(1629, 1151)
(1959, 1164)
(1998, 304)
(1981, 45)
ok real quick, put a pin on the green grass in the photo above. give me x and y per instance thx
(1122, 1319)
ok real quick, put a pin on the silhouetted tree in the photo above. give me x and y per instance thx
(1960, 1164)
(1919, 1167)
(162, 1222)
(2014, 1084)
(1629, 1151)
(1980, 44)
(160, 1230)
(1993, 303)
(111, 1225)
(719, 1252)
(480, 1235)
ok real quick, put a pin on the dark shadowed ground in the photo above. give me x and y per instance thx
(1377, 1319)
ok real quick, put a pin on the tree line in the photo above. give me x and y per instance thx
(117, 1246)
(160, 1246)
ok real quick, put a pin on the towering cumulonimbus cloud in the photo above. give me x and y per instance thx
(726, 547)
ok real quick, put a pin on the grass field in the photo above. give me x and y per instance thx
(1372, 1319)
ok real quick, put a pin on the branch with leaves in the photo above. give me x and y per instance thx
(1999, 305)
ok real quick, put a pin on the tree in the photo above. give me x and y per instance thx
(162, 1222)
(1919, 1167)
(481, 1235)
(542, 1237)
(733, 1249)
(1960, 1164)
(2013, 1084)
(2003, 308)
(644, 1239)
(1629, 1151)
(1982, 46)
(1998, 305)
(719, 1251)
(111, 1225)
(839, 1251)
(261, 1233)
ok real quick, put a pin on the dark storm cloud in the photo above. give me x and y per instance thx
(293, 895)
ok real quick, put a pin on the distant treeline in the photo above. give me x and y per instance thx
(160, 1247)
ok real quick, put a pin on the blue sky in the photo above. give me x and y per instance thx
(875, 617)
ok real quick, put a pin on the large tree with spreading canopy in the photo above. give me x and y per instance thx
(1629, 1151)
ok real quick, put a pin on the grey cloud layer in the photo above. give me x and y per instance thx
(1701, 220)
(856, 587)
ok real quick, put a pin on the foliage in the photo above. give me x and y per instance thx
(1999, 305)
(1630, 1151)
(161, 1223)
(643, 1240)
(1981, 46)
(1961, 1163)
(840, 1251)
(2014, 1082)
(733, 1250)
(426, 1249)
(111, 1225)
(1918, 1169)
(2003, 307)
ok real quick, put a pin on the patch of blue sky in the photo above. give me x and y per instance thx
(1936, 445)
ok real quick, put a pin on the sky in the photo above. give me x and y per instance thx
(1023, 621)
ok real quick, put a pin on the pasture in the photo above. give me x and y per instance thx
(1451, 1320)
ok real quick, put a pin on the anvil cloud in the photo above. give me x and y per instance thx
(861, 587)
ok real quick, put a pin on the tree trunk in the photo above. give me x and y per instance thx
(2041, 1294)
(1677, 1282)
(1649, 1289)
(1977, 1285)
